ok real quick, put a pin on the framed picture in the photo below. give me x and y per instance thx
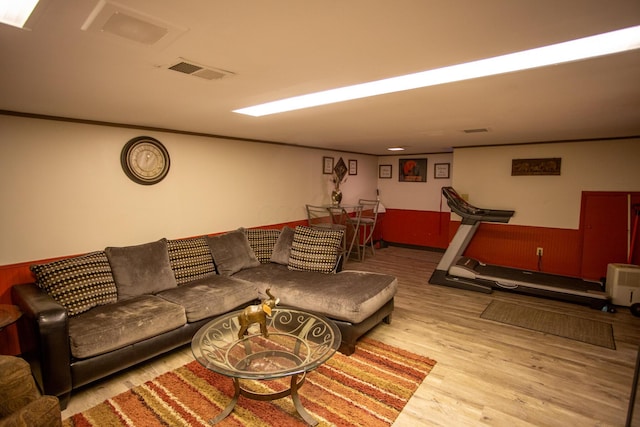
(384, 171)
(550, 166)
(441, 170)
(327, 165)
(412, 170)
(353, 167)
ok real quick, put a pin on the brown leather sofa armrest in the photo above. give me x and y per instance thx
(43, 330)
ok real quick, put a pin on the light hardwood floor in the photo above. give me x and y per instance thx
(487, 373)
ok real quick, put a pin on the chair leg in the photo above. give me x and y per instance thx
(368, 238)
(355, 241)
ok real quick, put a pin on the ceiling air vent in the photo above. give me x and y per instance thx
(202, 71)
(477, 130)
(112, 19)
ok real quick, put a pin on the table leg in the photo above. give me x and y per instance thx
(298, 405)
(296, 382)
(230, 406)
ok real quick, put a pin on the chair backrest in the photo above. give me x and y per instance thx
(369, 208)
(318, 215)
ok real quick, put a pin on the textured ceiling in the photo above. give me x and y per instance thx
(277, 49)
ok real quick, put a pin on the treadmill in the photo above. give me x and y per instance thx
(462, 272)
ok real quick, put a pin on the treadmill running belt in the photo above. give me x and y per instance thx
(561, 282)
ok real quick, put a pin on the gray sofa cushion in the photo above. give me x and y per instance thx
(262, 241)
(231, 252)
(211, 296)
(282, 248)
(109, 327)
(350, 296)
(79, 283)
(141, 269)
(190, 259)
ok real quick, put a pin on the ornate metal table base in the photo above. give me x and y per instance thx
(296, 382)
(297, 342)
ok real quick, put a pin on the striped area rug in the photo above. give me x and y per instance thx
(368, 388)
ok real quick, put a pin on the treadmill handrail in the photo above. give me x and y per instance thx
(472, 214)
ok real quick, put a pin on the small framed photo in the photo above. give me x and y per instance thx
(353, 167)
(327, 165)
(441, 170)
(412, 170)
(384, 171)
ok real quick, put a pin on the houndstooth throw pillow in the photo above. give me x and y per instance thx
(315, 249)
(262, 242)
(78, 283)
(190, 259)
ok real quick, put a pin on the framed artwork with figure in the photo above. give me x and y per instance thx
(412, 170)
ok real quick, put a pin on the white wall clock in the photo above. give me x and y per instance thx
(145, 160)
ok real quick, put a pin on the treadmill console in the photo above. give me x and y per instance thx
(470, 213)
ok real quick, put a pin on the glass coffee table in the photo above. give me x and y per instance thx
(297, 343)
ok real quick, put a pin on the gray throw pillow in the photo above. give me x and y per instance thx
(141, 269)
(282, 248)
(231, 252)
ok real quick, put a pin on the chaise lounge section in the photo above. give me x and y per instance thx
(89, 316)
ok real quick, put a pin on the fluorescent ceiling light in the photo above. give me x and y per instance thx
(395, 149)
(16, 12)
(574, 50)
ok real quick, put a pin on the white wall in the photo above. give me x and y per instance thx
(423, 196)
(64, 191)
(484, 174)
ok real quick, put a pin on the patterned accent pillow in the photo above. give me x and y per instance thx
(262, 242)
(315, 249)
(78, 283)
(190, 259)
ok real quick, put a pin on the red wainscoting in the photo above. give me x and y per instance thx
(500, 244)
(515, 246)
(419, 228)
(11, 275)
(15, 274)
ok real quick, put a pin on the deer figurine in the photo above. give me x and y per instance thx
(257, 314)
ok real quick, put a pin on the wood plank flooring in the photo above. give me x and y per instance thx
(488, 373)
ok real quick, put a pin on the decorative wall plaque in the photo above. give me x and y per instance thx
(550, 166)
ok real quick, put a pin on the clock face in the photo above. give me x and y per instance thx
(145, 160)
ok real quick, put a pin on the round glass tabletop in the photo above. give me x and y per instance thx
(297, 342)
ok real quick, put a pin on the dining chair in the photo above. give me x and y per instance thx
(352, 219)
(368, 223)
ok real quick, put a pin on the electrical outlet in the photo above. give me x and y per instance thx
(539, 252)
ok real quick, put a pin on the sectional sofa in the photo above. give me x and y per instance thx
(89, 316)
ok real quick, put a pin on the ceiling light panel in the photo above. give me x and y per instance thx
(16, 12)
(574, 50)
